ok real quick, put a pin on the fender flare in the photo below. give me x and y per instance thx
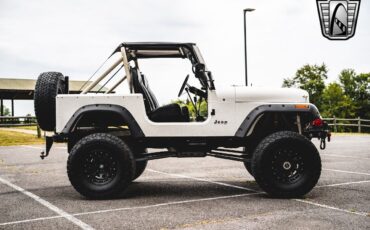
(135, 129)
(254, 114)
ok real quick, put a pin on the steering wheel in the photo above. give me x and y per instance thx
(183, 85)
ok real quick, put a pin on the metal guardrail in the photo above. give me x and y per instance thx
(8, 122)
(358, 123)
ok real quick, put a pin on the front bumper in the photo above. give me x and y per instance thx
(322, 133)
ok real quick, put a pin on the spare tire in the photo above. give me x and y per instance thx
(48, 86)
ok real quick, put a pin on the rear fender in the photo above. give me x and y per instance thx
(120, 111)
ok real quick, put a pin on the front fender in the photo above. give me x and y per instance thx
(284, 108)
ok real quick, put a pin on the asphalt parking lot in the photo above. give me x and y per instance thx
(193, 193)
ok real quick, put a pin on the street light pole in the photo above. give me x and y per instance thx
(245, 42)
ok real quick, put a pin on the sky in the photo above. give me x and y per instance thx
(75, 37)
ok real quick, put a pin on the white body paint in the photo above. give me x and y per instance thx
(231, 104)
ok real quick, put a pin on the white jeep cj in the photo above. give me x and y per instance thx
(108, 134)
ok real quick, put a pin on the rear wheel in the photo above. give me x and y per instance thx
(286, 164)
(100, 166)
(138, 151)
(140, 168)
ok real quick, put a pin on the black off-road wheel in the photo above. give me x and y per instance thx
(248, 164)
(100, 166)
(140, 168)
(48, 86)
(286, 165)
(140, 165)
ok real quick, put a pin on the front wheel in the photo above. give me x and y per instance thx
(100, 166)
(248, 164)
(286, 164)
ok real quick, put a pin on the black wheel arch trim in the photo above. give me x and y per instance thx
(253, 115)
(135, 129)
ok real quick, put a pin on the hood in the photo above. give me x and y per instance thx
(270, 95)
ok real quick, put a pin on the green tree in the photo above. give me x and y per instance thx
(6, 111)
(357, 88)
(288, 83)
(347, 81)
(336, 103)
(310, 78)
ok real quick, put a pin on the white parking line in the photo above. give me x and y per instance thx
(335, 155)
(200, 179)
(185, 202)
(340, 184)
(133, 208)
(194, 200)
(48, 205)
(167, 204)
(331, 207)
(31, 220)
(298, 200)
(343, 171)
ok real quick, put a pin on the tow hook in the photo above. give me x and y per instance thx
(323, 140)
(49, 142)
(322, 144)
